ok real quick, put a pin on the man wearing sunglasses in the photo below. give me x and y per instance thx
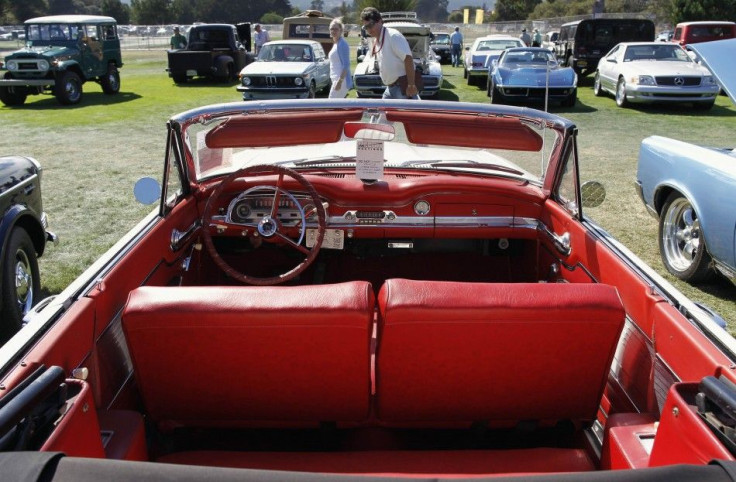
(393, 55)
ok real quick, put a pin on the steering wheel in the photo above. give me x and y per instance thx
(269, 227)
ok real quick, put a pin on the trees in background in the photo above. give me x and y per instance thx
(160, 12)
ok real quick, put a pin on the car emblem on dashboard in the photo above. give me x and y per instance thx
(679, 81)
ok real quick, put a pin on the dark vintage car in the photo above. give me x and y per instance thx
(440, 44)
(345, 289)
(23, 239)
(61, 53)
(214, 50)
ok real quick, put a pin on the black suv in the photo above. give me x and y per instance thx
(23, 239)
(581, 44)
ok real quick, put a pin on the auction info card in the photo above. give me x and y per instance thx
(369, 160)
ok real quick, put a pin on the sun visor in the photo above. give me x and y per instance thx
(458, 129)
(262, 130)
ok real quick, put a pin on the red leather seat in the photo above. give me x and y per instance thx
(227, 355)
(468, 352)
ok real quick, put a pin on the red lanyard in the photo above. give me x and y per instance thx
(382, 38)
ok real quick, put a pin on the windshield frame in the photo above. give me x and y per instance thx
(555, 130)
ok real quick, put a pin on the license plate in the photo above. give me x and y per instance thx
(582, 63)
(334, 238)
(191, 73)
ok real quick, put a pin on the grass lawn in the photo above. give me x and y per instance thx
(92, 154)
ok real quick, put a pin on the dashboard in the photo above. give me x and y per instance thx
(418, 207)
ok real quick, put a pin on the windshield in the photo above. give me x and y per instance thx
(498, 44)
(441, 39)
(285, 53)
(527, 57)
(214, 147)
(52, 32)
(670, 53)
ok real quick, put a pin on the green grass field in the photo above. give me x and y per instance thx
(93, 153)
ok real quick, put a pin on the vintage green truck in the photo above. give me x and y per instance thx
(62, 52)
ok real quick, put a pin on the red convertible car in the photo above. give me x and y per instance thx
(360, 289)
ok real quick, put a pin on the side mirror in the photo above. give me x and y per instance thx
(147, 190)
(593, 193)
(612, 60)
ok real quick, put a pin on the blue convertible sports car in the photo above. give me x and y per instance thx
(690, 189)
(528, 74)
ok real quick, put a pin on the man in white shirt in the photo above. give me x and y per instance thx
(261, 37)
(393, 54)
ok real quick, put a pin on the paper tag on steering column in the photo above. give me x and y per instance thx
(369, 160)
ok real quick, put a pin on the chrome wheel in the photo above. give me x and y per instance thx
(621, 93)
(20, 282)
(597, 85)
(681, 241)
(23, 282)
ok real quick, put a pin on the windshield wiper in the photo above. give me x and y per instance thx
(466, 164)
(319, 160)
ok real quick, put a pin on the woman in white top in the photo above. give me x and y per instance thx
(339, 57)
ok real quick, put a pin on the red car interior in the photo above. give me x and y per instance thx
(493, 335)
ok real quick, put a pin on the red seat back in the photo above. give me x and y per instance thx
(468, 352)
(214, 355)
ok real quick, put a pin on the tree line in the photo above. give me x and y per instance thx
(162, 12)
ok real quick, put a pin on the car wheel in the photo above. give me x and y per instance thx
(312, 91)
(12, 96)
(621, 93)
(111, 81)
(571, 99)
(681, 242)
(229, 74)
(489, 87)
(496, 96)
(68, 89)
(179, 78)
(597, 91)
(21, 282)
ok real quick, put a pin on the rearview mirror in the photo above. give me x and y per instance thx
(368, 131)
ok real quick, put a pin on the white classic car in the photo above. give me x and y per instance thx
(483, 52)
(367, 80)
(654, 72)
(286, 69)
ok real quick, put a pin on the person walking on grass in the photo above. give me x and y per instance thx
(339, 57)
(456, 41)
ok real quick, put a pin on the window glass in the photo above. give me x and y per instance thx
(566, 192)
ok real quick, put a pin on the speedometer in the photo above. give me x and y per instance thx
(242, 212)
